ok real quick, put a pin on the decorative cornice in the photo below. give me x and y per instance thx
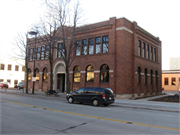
(93, 27)
(124, 28)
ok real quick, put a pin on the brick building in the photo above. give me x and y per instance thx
(117, 54)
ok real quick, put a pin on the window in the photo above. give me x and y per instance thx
(91, 46)
(166, 81)
(30, 54)
(23, 68)
(154, 54)
(98, 45)
(29, 74)
(1, 80)
(84, 47)
(139, 75)
(174, 65)
(89, 90)
(151, 77)
(144, 50)
(139, 48)
(156, 77)
(151, 53)
(147, 55)
(174, 61)
(145, 76)
(104, 71)
(2, 66)
(38, 53)
(34, 53)
(89, 74)
(9, 67)
(9, 81)
(78, 50)
(77, 74)
(42, 52)
(81, 90)
(173, 81)
(37, 74)
(60, 50)
(45, 74)
(16, 68)
(47, 52)
(105, 44)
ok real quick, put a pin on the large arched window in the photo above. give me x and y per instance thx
(37, 74)
(156, 77)
(104, 71)
(139, 75)
(145, 76)
(29, 74)
(45, 74)
(77, 74)
(89, 74)
(151, 77)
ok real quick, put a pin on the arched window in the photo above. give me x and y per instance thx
(151, 77)
(45, 74)
(77, 74)
(89, 74)
(139, 75)
(145, 76)
(29, 74)
(156, 77)
(37, 74)
(104, 71)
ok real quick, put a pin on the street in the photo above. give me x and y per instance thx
(31, 115)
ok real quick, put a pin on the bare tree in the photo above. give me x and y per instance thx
(60, 25)
(21, 51)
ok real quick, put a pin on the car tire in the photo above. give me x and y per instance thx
(95, 102)
(70, 100)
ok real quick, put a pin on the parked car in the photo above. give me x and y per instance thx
(20, 85)
(4, 85)
(92, 95)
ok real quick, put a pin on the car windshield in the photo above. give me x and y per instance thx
(80, 90)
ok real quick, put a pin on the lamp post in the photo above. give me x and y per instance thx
(33, 33)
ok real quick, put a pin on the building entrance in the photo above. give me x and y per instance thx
(61, 82)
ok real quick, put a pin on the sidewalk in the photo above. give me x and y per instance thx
(136, 104)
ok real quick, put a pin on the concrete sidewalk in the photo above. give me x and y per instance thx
(143, 103)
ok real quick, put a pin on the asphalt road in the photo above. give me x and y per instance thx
(30, 115)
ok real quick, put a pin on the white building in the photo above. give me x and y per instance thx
(175, 63)
(12, 70)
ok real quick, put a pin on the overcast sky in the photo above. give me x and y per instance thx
(159, 17)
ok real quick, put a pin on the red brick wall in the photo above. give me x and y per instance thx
(122, 58)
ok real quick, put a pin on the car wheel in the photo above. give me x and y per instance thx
(70, 100)
(95, 102)
(18, 88)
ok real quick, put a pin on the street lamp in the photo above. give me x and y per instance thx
(33, 33)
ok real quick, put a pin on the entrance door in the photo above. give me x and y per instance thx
(61, 82)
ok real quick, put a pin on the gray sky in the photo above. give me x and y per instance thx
(159, 17)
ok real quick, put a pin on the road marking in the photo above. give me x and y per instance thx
(89, 116)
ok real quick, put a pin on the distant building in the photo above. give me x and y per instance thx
(171, 80)
(11, 71)
(175, 63)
